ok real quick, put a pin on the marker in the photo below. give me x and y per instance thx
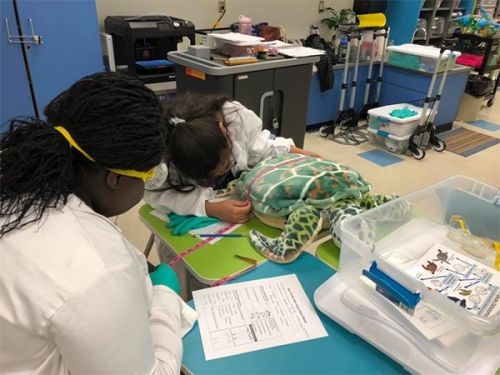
(221, 235)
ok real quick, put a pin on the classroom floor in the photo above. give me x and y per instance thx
(403, 177)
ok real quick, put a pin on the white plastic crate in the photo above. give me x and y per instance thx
(234, 44)
(417, 57)
(472, 345)
(392, 143)
(380, 119)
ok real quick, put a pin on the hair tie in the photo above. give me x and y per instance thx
(176, 121)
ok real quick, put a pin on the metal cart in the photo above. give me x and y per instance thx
(487, 47)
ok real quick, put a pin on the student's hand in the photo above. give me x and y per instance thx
(165, 275)
(229, 210)
(296, 150)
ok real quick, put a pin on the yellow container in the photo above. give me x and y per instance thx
(371, 20)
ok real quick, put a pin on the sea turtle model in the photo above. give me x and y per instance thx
(303, 194)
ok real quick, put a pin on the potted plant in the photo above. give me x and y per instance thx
(336, 18)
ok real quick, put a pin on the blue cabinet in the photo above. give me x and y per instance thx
(324, 106)
(402, 86)
(398, 86)
(70, 49)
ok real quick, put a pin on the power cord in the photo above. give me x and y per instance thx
(218, 20)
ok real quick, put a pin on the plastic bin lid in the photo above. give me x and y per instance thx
(423, 51)
(237, 38)
(386, 110)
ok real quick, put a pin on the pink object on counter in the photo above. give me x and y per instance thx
(470, 60)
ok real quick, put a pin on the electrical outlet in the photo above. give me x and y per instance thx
(321, 6)
(222, 6)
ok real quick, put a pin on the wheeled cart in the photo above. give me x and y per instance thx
(416, 139)
(347, 118)
(425, 133)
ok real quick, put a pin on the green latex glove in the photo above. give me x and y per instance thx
(165, 275)
(403, 113)
(182, 224)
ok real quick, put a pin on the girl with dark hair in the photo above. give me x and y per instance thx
(75, 296)
(210, 140)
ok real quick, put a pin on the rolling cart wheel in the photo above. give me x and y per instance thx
(419, 153)
(490, 102)
(325, 131)
(440, 146)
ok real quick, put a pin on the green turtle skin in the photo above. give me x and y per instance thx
(304, 191)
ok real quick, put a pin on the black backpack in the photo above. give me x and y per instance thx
(325, 72)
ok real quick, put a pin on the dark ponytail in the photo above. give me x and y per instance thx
(113, 117)
(195, 143)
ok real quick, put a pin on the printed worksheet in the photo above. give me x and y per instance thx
(472, 285)
(254, 315)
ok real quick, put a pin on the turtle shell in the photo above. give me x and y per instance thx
(283, 183)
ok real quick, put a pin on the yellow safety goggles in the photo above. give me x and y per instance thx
(124, 172)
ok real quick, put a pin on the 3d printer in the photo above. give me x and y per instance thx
(141, 44)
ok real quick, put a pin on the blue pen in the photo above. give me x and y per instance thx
(221, 235)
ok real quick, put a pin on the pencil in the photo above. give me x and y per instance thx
(221, 235)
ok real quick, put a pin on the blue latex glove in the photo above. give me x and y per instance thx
(165, 275)
(182, 224)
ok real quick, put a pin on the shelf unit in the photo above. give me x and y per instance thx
(487, 47)
(431, 12)
(491, 6)
(402, 17)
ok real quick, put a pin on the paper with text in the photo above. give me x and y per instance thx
(244, 317)
(463, 280)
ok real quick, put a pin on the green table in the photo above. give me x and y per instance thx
(215, 261)
(329, 253)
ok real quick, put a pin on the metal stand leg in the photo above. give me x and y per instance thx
(149, 245)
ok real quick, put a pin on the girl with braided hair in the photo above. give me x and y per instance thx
(75, 296)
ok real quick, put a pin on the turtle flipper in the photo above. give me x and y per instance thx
(344, 209)
(396, 212)
(301, 228)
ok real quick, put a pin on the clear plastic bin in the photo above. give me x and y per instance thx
(403, 230)
(235, 44)
(438, 25)
(397, 145)
(381, 120)
(416, 57)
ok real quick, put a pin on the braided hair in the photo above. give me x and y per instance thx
(195, 143)
(113, 117)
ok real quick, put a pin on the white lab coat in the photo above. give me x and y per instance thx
(75, 297)
(250, 145)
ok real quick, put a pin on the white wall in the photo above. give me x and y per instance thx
(294, 15)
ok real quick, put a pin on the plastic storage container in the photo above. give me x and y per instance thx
(381, 120)
(391, 132)
(234, 44)
(438, 25)
(443, 336)
(416, 57)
